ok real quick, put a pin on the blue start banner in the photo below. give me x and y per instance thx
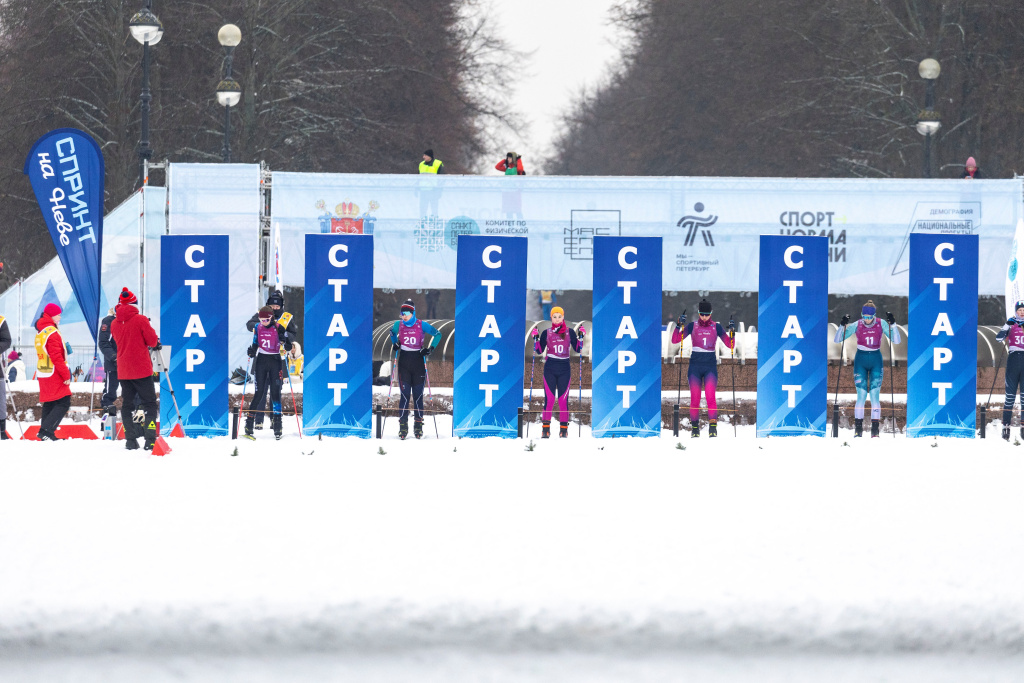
(792, 321)
(65, 167)
(626, 346)
(337, 393)
(942, 352)
(194, 328)
(490, 309)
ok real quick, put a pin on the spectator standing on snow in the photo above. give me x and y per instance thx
(109, 350)
(15, 367)
(53, 372)
(134, 336)
(971, 170)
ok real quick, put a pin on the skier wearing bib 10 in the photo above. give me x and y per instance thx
(556, 342)
(703, 335)
(867, 364)
(1013, 333)
(407, 338)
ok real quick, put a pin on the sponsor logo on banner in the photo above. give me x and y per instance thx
(194, 326)
(792, 322)
(693, 224)
(338, 331)
(626, 342)
(346, 219)
(942, 349)
(460, 225)
(490, 315)
(584, 226)
(65, 168)
(938, 218)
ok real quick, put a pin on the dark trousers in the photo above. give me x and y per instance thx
(53, 413)
(109, 385)
(141, 392)
(1014, 384)
(411, 374)
(267, 372)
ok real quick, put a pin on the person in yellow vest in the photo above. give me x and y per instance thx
(430, 164)
(295, 360)
(53, 372)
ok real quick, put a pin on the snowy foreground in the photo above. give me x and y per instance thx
(477, 560)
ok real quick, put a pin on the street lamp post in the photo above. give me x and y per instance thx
(148, 30)
(928, 121)
(229, 92)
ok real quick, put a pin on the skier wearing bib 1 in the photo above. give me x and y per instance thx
(1013, 333)
(556, 342)
(867, 364)
(407, 338)
(703, 335)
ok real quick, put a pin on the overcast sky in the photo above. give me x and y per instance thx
(571, 45)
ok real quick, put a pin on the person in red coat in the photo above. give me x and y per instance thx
(512, 164)
(134, 336)
(53, 372)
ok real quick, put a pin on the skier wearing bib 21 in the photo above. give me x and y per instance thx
(867, 364)
(1013, 333)
(407, 336)
(557, 340)
(703, 363)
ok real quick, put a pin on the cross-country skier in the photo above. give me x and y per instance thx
(1013, 333)
(867, 364)
(268, 338)
(407, 338)
(289, 333)
(556, 342)
(703, 363)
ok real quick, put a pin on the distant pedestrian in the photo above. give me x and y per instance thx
(53, 372)
(15, 367)
(430, 164)
(109, 350)
(971, 170)
(512, 164)
(431, 296)
(547, 300)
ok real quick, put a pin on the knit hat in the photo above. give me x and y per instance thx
(704, 307)
(13, 355)
(408, 307)
(127, 297)
(558, 310)
(276, 298)
(429, 153)
(266, 312)
(52, 310)
(971, 162)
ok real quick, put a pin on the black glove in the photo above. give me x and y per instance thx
(732, 324)
(158, 345)
(682, 321)
(287, 345)
(890, 317)
(395, 347)
(1011, 321)
(251, 351)
(845, 321)
(425, 351)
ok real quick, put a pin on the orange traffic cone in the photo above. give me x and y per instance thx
(178, 431)
(160, 446)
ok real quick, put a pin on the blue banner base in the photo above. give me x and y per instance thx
(339, 432)
(961, 432)
(789, 431)
(483, 431)
(193, 431)
(613, 432)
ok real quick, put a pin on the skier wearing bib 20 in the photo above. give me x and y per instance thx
(556, 341)
(703, 363)
(407, 337)
(1013, 333)
(867, 364)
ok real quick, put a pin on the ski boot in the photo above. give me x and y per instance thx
(130, 443)
(1022, 432)
(694, 430)
(858, 427)
(545, 429)
(403, 430)
(3, 430)
(248, 431)
(563, 430)
(417, 428)
(149, 445)
(874, 429)
(258, 425)
(275, 422)
(1006, 433)
(712, 429)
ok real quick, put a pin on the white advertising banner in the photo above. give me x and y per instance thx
(710, 226)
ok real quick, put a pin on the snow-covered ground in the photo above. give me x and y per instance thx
(448, 560)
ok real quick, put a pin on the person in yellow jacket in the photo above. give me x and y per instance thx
(430, 164)
(53, 372)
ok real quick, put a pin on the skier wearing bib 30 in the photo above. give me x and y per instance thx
(867, 364)
(703, 363)
(1013, 333)
(556, 341)
(407, 337)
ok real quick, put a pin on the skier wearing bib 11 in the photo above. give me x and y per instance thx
(867, 364)
(407, 337)
(703, 335)
(1013, 333)
(556, 341)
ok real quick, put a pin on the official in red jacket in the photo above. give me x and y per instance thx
(135, 336)
(53, 373)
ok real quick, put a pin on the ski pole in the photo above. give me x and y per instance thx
(732, 339)
(579, 402)
(295, 408)
(892, 379)
(679, 368)
(835, 403)
(433, 403)
(1002, 348)
(158, 357)
(392, 360)
(245, 382)
(529, 403)
(10, 396)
